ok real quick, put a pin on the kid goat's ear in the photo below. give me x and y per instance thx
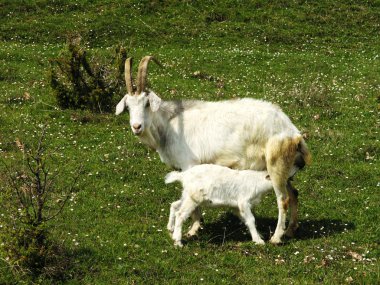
(121, 105)
(154, 101)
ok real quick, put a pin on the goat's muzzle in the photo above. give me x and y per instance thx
(137, 129)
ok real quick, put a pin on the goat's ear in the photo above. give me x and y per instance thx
(154, 101)
(121, 105)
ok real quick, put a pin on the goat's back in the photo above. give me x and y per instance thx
(232, 133)
(221, 185)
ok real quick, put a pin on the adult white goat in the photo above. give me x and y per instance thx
(240, 134)
(214, 185)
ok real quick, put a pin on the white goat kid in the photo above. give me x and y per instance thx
(240, 134)
(214, 185)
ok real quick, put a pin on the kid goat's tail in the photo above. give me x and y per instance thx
(173, 176)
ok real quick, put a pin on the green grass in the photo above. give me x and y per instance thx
(320, 61)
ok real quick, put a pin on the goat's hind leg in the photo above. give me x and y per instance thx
(196, 216)
(282, 205)
(293, 203)
(280, 156)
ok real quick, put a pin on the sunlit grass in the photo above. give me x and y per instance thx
(115, 227)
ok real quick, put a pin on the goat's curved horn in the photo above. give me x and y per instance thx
(128, 75)
(142, 72)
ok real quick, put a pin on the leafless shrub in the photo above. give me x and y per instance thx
(31, 200)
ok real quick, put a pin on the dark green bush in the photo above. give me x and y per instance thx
(82, 83)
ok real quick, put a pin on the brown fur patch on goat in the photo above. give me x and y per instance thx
(285, 203)
(302, 148)
(281, 155)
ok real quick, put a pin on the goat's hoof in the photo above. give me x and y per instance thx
(275, 241)
(178, 244)
(291, 231)
(191, 234)
(259, 242)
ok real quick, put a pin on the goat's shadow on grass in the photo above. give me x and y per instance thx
(66, 264)
(229, 228)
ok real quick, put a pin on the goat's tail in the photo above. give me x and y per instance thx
(304, 151)
(303, 156)
(173, 176)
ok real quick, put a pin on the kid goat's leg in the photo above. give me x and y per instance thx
(248, 218)
(184, 212)
(196, 216)
(173, 209)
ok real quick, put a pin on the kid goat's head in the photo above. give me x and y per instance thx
(140, 101)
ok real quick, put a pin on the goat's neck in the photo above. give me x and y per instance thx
(155, 135)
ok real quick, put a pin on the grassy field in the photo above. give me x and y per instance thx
(318, 60)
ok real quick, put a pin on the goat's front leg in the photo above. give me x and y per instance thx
(173, 210)
(248, 218)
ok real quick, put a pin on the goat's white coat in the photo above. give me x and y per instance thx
(214, 185)
(233, 133)
(240, 134)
